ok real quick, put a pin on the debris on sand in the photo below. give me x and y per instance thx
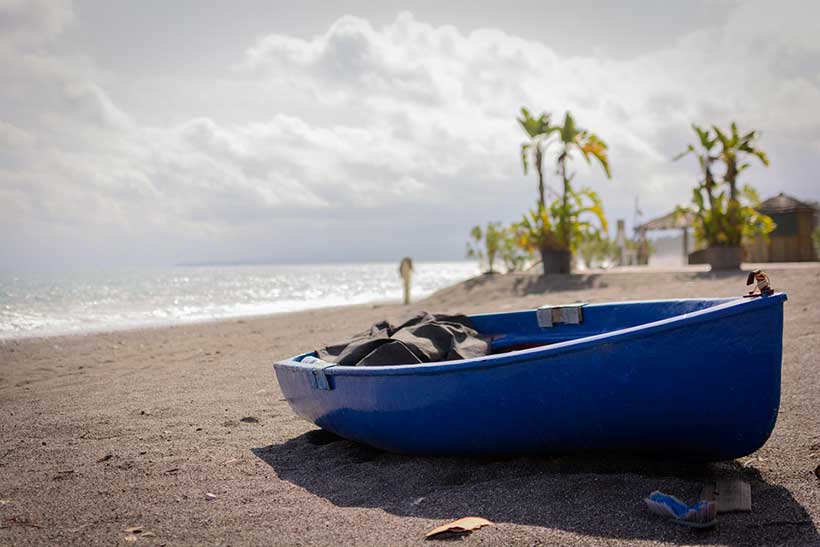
(63, 475)
(209, 496)
(729, 494)
(135, 532)
(21, 521)
(702, 514)
(249, 420)
(461, 526)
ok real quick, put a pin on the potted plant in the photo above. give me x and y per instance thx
(538, 230)
(725, 213)
(557, 228)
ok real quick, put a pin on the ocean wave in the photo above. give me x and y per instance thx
(43, 305)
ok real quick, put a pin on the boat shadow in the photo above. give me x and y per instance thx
(594, 496)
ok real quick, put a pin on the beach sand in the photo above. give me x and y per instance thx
(106, 432)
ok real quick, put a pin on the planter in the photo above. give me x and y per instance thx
(724, 258)
(698, 257)
(556, 261)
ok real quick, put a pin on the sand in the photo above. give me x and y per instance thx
(182, 432)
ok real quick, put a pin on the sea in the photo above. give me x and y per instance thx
(45, 304)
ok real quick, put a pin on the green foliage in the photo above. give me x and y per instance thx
(496, 241)
(598, 251)
(491, 238)
(725, 213)
(588, 144)
(539, 130)
(816, 237)
(575, 215)
(604, 252)
(514, 257)
(583, 219)
(535, 232)
(535, 127)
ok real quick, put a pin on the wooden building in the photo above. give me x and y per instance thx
(791, 240)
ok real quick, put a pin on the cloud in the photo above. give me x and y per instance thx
(403, 139)
(33, 22)
(437, 85)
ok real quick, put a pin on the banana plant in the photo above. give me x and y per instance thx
(590, 146)
(540, 132)
(725, 212)
(491, 238)
(513, 255)
(564, 222)
(538, 229)
(584, 214)
(534, 232)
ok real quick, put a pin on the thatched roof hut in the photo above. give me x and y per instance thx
(791, 240)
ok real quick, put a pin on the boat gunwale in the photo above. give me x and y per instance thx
(727, 307)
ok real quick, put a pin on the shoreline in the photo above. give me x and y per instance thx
(170, 323)
(53, 304)
(29, 335)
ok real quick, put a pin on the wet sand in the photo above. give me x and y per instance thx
(183, 432)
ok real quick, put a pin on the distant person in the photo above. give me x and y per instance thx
(406, 270)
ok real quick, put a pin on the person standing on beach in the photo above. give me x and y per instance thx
(405, 270)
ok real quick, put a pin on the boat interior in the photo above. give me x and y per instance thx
(513, 331)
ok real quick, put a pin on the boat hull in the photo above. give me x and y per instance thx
(703, 385)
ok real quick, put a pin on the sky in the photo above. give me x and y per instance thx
(151, 133)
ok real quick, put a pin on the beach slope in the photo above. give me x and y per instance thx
(180, 436)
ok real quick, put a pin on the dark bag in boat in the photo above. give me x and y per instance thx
(425, 338)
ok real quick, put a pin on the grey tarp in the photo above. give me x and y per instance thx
(425, 338)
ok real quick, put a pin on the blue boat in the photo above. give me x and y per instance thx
(683, 379)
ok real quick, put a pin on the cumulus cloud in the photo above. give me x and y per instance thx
(408, 137)
(438, 78)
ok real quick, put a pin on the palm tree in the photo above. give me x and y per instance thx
(539, 131)
(730, 148)
(733, 148)
(706, 158)
(556, 230)
(726, 220)
(573, 138)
